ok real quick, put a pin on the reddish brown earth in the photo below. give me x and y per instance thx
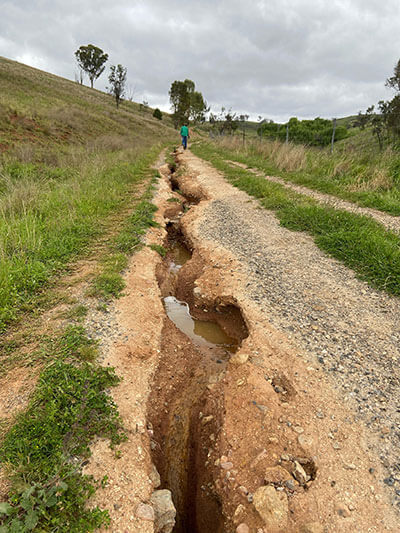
(261, 441)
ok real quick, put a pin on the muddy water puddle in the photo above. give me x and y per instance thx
(179, 255)
(200, 332)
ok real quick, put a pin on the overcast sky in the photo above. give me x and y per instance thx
(274, 58)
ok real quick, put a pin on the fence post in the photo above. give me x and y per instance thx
(333, 134)
(287, 133)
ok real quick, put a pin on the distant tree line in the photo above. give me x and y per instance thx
(316, 132)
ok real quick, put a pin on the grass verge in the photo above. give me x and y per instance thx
(45, 222)
(367, 178)
(109, 283)
(358, 241)
(45, 450)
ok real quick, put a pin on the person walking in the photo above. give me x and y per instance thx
(184, 135)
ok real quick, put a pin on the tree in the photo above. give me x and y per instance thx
(117, 79)
(91, 60)
(186, 103)
(157, 113)
(198, 107)
(394, 81)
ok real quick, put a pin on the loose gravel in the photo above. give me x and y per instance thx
(349, 329)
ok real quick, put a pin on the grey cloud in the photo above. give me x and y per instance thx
(277, 58)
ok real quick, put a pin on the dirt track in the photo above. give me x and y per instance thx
(276, 440)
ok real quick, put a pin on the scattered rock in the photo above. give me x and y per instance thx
(305, 441)
(300, 474)
(242, 528)
(342, 510)
(239, 358)
(312, 527)
(243, 490)
(207, 419)
(155, 477)
(262, 455)
(239, 510)
(145, 512)
(298, 429)
(276, 474)
(349, 466)
(228, 465)
(272, 506)
(164, 510)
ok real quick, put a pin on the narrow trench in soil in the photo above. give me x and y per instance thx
(185, 408)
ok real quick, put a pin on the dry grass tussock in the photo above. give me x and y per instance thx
(378, 180)
(288, 157)
(358, 171)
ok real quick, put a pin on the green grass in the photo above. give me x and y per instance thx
(358, 174)
(45, 448)
(159, 249)
(358, 241)
(55, 223)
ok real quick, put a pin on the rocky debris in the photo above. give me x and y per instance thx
(276, 475)
(239, 358)
(164, 511)
(145, 512)
(206, 419)
(305, 441)
(155, 477)
(272, 506)
(300, 474)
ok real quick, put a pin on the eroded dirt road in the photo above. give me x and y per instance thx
(293, 431)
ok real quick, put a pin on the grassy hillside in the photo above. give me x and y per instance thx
(68, 160)
(41, 109)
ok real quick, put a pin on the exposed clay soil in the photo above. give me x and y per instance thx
(281, 413)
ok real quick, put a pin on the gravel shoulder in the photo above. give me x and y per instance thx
(390, 222)
(345, 329)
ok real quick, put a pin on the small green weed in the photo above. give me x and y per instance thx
(107, 284)
(174, 199)
(77, 312)
(159, 249)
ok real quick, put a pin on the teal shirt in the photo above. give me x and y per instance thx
(185, 131)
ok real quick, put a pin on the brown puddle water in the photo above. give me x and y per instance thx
(179, 255)
(200, 332)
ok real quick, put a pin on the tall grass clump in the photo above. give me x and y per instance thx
(365, 176)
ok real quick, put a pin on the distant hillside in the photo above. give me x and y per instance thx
(41, 108)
